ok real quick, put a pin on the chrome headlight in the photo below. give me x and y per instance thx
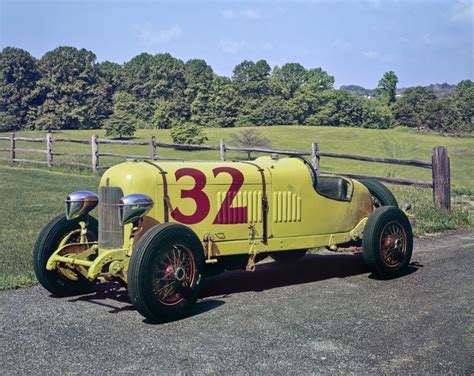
(133, 207)
(79, 203)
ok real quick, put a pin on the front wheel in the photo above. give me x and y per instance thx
(387, 242)
(62, 281)
(165, 272)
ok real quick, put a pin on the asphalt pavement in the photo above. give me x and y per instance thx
(324, 315)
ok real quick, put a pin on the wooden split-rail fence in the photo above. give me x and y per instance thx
(439, 164)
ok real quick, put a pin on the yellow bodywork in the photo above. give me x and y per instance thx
(223, 203)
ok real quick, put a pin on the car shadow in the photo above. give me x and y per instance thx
(269, 275)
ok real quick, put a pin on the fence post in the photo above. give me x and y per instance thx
(153, 148)
(315, 156)
(95, 152)
(12, 147)
(222, 149)
(49, 148)
(441, 178)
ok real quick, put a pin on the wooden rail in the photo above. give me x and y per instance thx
(439, 164)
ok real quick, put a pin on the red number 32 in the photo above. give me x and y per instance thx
(226, 214)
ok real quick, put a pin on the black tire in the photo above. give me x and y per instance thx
(154, 279)
(289, 257)
(387, 242)
(48, 241)
(381, 195)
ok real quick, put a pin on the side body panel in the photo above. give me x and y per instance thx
(225, 200)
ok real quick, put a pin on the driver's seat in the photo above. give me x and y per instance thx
(333, 187)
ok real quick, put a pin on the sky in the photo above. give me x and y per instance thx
(423, 42)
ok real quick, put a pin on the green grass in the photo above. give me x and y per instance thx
(32, 196)
(397, 143)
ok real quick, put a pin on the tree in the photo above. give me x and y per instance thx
(252, 79)
(318, 80)
(112, 73)
(19, 74)
(268, 111)
(464, 101)
(224, 104)
(122, 122)
(71, 93)
(388, 86)
(187, 133)
(377, 114)
(287, 79)
(249, 138)
(412, 108)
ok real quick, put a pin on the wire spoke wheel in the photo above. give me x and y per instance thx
(387, 242)
(174, 273)
(65, 280)
(165, 272)
(393, 244)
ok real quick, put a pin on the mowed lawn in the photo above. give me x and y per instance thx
(33, 195)
(30, 198)
(396, 143)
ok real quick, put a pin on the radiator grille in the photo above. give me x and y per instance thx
(110, 231)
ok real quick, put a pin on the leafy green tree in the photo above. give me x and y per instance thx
(443, 115)
(19, 75)
(318, 80)
(71, 92)
(287, 79)
(122, 122)
(169, 111)
(269, 111)
(464, 101)
(188, 133)
(377, 114)
(112, 72)
(411, 109)
(388, 86)
(252, 79)
(249, 138)
(224, 104)
(338, 108)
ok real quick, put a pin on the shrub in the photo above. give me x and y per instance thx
(188, 133)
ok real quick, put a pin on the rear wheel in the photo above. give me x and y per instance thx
(289, 257)
(387, 242)
(165, 272)
(62, 281)
(381, 195)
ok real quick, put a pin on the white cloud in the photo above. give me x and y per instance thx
(230, 46)
(248, 13)
(463, 10)
(147, 35)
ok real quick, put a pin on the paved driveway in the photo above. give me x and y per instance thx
(324, 315)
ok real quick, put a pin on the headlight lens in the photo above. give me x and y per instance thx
(133, 207)
(79, 203)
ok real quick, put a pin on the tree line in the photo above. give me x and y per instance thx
(68, 89)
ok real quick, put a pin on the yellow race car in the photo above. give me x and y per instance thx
(162, 226)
